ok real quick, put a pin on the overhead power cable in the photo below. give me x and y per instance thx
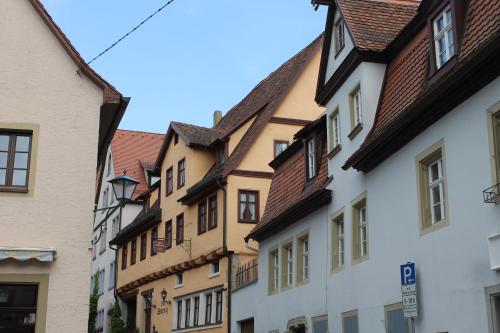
(131, 31)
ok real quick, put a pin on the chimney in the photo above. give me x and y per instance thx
(217, 117)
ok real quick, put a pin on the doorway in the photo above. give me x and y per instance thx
(247, 326)
(131, 314)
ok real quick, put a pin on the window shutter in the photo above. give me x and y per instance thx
(284, 262)
(351, 111)
(335, 245)
(425, 196)
(300, 262)
(271, 272)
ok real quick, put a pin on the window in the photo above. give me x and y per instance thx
(202, 217)
(196, 317)
(108, 172)
(320, 324)
(179, 230)
(496, 145)
(432, 188)
(181, 173)
(311, 158)
(212, 212)
(115, 226)
(168, 234)
(280, 146)
(350, 322)
(179, 280)
(339, 35)
(303, 259)
(101, 281)
(334, 131)
(274, 271)
(103, 243)
(214, 268)
(287, 277)
(355, 111)
(176, 138)
(105, 197)
(144, 241)
(179, 314)
(442, 27)
(492, 294)
(208, 308)
(395, 321)
(112, 275)
(218, 307)
(124, 256)
(133, 251)
(15, 151)
(248, 209)
(94, 252)
(170, 180)
(19, 307)
(359, 230)
(338, 244)
(187, 313)
(154, 236)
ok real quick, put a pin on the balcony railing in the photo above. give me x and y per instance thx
(492, 194)
(246, 274)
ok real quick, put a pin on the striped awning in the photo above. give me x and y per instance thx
(27, 253)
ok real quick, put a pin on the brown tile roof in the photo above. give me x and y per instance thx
(289, 189)
(407, 84)
(196, 135)
(373, 24)
(132, 150)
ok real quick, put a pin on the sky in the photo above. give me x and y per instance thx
(194, 57)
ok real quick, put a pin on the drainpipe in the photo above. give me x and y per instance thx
(116, 254)
(225, 253)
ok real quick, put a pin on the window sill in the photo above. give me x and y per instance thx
(247, 222)
(177, 286)
(213, 275)
(285, 288)
(338, 52)
(213, 227)
(302, 283)
(355, 131)
(14, 189)
(272, 292)
(335, 151)
(360, 260)
(337, 269)
(197, 328)
(432, 228)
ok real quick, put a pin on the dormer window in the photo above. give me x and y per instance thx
(339, 36)
(311, 158)
(442, 27)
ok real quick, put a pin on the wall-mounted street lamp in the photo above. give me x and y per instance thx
(124, 188)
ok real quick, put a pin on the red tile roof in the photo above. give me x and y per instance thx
(373, 24)
(407, 82)
(288, 187)
(131, 150)
(196, 135)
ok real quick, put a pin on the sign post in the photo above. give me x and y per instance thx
(409, 290)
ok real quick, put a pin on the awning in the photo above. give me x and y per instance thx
(27, 253)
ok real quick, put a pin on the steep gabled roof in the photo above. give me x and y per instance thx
(373, 24)
(131, 151)
(196, 135)
(114, 104)
(261, 102)
(291, 197)
(411, 99)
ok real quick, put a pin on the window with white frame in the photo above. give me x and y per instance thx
(109, 166)
(218, 306)
(287, 265)
(103, 242)
(338, 244)
(274, 271)
(432, 188)
(360, 230)
(335, 139)
(214, 268)
(187, 313)
(101, 281)
(303, 259)
(311, 158)
(178, 280)
(115, 226)
(356, 108)
(179, 314)
(105, 198)
(444, 47)
(112, 275)
(280, 146)
(339, 34)
(208, 308)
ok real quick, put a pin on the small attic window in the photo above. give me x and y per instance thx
(443, 34)
(311, 158)
(176, 138)
(339, 34)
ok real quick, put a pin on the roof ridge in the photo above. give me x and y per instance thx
(137, 131)
(197, 126)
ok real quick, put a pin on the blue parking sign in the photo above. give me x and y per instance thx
(408, 274)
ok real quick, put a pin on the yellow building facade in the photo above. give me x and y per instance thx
(213, 190)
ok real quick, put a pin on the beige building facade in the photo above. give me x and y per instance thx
(213, 190)
(56, 120)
